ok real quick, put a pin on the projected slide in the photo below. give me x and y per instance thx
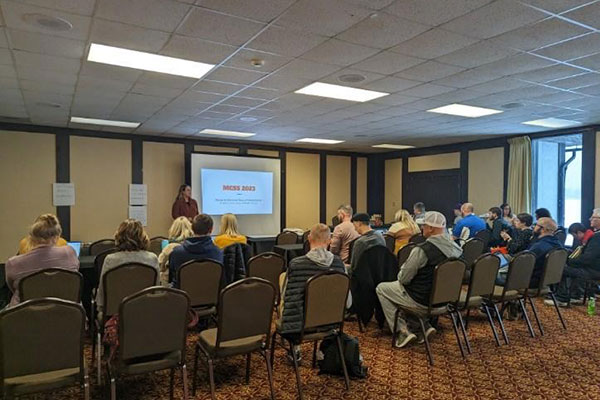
(238, 192)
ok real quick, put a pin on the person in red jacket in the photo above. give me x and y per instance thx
(184, 205)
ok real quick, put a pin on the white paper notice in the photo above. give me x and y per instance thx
(63, 194)
(139, 213)
(138, 195)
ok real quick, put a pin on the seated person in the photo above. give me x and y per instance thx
(507, 213)
(343, 234)
(229, 232)
(180, 230)
(498, 225)
(580, 234)
(133, 242)
(198, 247)
(457, 214)
(542, 213)
(368, 238)
(300, 269)
(419, 212)
(586, 266)
(415, 280)
(520, 237)
(376, 221)
(44, 253)
(403, 228)
(469, 221)
(25, 245)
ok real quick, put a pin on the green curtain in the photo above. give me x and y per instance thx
(519, 175)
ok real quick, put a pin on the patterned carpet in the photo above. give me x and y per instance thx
(560, 365)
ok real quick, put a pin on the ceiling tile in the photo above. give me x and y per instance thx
(372, 4)
(261, 10)
(127, 36)
(200, 97)
(158, 91)
(426, 90)
(243, 59)
(477, 54)
(556, 6)
(387, 63)
(574, 48)
(3, 41)
(286, 42)
(307, 69)
(338, 52)
(590, 90)
(5, 57)
(433, 43)
(434, 12)
(335, 77)
(515, 64)
(458, 95)
(283, 83)
(217, 87)
(549, 73)
(499, 85)
(493, 19)
(197, 50)
(395, 99)
(383, 31)
(468, 78)
(9, 83)
(429, 71)
(92, 83)
(235, 75)
(83, 7)
(44, 44)
(243, 102)
(588, 15)
(47, 86)
(68, 65)
(576, 81)
(110, 71)
(164, 15)
(164, 80)
(7, 71)
(218, 27)
(259, 93)
(391, 84)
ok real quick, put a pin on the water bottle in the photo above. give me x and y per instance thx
(591, 306)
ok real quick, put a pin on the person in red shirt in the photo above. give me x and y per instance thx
(184, 205)
(580, 234)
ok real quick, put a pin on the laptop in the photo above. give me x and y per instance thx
(75, 246)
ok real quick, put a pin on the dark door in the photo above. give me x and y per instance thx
(439, 190)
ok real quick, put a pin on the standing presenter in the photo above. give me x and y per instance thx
(184, 205)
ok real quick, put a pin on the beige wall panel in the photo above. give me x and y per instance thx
(164, 171)
(101, 172)
(302, 190)
(597, 176)
(393, 188)
(486, 178)
(361, 184)
(434, 162)
(263, 153)
(28, 165)
(338, 184)
(216, 149)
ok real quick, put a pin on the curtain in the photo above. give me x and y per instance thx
(519, 175)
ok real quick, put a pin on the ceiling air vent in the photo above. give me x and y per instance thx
(351, 78)
(48, 22)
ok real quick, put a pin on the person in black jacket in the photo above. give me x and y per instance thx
(586, 266)
(499, 225)
(520, 237)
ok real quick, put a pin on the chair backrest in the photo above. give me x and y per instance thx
(201, 280)
(519, 272)
(99, 261)
(245, 309)
(351, 249)
(418, 238)
(325, 297)
(52, 282)
(101, 245)
(286, 237)
(465, 233)
(153, 321)
(472, 249)
(553, 267)
(561, 235)
(267, 266)
(124, 281)
(41, 335)
(404, 252)
(390, 242)
(447, 282)
(156, 244)
(485, 236)
(483, 275)
(305, 236)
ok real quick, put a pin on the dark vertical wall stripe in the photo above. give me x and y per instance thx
(376, 184)
(353, 176)
(188, 149)
(63, 175)
(506, 162)
(137, 161)
(282, 157)
(323, 188)
(405, 187)
(588, 174)
(464, 176)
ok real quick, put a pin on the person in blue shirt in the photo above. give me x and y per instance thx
(470, 221)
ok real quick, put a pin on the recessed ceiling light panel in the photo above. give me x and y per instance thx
(340, 92)
(218, 132)
(106, 122)
(463, 110)
(319, 141)
(147, 61)
(393, 146)
(552, 123)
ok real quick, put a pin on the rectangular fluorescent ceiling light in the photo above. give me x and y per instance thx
(319, 141)
(217, 132)
(106, 122)
(340, 92)
(552, 122)
(147, 61)
(465, 111)
(393, 146)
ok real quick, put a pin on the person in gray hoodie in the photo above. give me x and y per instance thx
(415, 279)
(300, 269)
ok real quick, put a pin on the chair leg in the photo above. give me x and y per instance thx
(455, 328)
(562, 321)
(99, 358)
(360, 325)
(113, 388)
(531, 332)
(314, 357)
(185, 381)
(467, 317)
(86, 385)
(269, 372)
(535, 314)
(464, 332)
(491, 321)
(211, 378)
(427, 347)
(341, 352)
(272, 352)
(195, 377)
(171, 382)
(248, 368)
(499, 317)
(395, 327)
(298, 381)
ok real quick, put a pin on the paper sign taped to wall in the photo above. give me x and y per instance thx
(139, 213)
(138, 195)
(63, 194)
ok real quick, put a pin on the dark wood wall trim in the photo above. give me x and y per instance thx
(464, 176)
(323, 188)
(405, 188)
(588, 174)
(63, 175)
(376, 184)
(282, 186)
(137, 161)
(188, 149)
(353, 183)
(505, 177)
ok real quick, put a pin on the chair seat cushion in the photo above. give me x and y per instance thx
(20, 385)
(204, 312)
(474, 301)
(510, 295)
(208, 341)
(145, 364)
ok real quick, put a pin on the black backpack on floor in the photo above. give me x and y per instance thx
(331, 363)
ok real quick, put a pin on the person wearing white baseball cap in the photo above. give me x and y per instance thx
(415, 279)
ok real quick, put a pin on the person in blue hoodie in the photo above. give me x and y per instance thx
(198, 247)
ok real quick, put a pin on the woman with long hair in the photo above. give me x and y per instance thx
(184, 205)
(507, 213)
(180, 230)
(403, 228)
(229, 233)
